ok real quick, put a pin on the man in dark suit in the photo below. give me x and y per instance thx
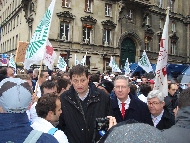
(161, 118)
(125, 106)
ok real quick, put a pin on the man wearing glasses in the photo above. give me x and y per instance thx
(126, 106)
(161, 118)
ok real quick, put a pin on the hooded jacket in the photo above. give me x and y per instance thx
(15, 127)
(180, 132)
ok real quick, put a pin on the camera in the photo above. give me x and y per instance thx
(102, 124)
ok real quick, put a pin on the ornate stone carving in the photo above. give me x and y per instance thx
(65, 15)
(88, 19)
(108, 24)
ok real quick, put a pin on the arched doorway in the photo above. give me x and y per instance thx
(128, 50)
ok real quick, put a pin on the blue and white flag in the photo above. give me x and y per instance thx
(76, 60)
(61, 64)
(113, 64)
(12, 62)
(83, 61)
(126, 67)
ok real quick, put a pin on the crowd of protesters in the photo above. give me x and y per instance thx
(43, 106)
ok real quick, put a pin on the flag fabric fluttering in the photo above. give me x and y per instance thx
(145, 63)
(61, 64)
(12, 62)
(126, 67)
(36, 48)
(111, 60)
(49, 56)
(161, 73)
(83, 61)
(113, 65)
(76, 60)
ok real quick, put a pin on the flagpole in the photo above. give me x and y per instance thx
(37, 83)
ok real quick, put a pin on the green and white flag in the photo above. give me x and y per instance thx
(145, 63)
(61, 64)
(76, 60)
(83, 61)
(113, 64)
(36, 48)
(12, 62)
(126, 67)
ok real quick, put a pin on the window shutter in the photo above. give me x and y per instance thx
(63, 3)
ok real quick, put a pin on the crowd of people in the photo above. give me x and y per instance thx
(80, 107)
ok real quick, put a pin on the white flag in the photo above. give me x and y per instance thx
(62, 65)
(126, 67)
(83, 61)
(49, 56)
(111, 60)
(12, 62)
(145, 63)
(36, 48)
(161, 73)
(76, 60)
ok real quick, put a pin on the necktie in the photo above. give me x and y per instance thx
(154, 119)
(123, 110)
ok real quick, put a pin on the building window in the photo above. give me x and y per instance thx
(147, 42)
(17, 20)
(147, 20)
(107, 37)
(173, 47)
(87, 32)
(172, 5)
(161, 24)
(173, 27)
(160, 3)
(108, 9)
(10, 47)
(13, 23)
(13, 44)
(129, 15)
(66, 3)
(88, 5)
(16, 41)
(64, 31)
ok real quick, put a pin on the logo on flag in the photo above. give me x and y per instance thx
(145, 63)
(36, 48)
(161, 73)
(49, 56)
(62, 65)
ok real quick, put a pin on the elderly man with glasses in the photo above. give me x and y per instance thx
(161, 118)
(126, 106)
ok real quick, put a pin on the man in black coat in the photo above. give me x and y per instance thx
(81, 105)
(161, 118)
(171, 99)
(125, 106)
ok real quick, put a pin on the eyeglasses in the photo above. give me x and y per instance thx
(120, 87)
(153, 103)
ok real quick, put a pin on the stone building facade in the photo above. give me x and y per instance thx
(102, 28)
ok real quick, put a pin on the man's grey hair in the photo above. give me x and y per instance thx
(122, 77)
(154, 94)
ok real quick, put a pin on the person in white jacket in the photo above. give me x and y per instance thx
(48, 109)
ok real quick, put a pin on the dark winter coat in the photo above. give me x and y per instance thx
(166, 121)
(79, 128)
(180, 132)
(137, 110)
(170, 102)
